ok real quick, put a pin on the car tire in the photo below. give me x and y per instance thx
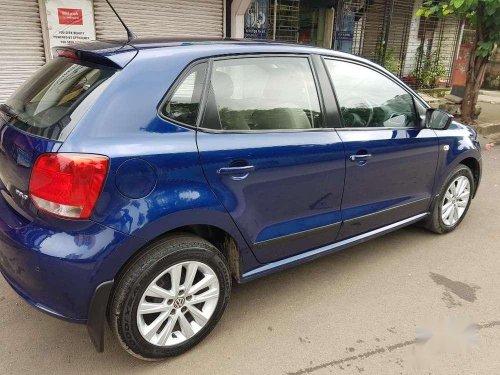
(436, 222)
(136, 294)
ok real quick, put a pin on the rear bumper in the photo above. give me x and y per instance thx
(55, 270)
(47, 310)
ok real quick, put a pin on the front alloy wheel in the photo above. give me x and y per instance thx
(455, 201)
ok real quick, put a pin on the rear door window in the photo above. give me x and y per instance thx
(264, 94)
(43, 105)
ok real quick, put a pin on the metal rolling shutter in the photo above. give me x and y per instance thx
(165, 18)
(21, 43)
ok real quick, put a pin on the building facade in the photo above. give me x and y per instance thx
(30, 28)
(420, 51)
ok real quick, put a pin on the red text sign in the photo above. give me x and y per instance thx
(69, 16)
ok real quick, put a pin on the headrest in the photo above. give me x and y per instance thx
(222, 84)
(280, 83)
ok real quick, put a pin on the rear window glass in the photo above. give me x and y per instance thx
(43, 105)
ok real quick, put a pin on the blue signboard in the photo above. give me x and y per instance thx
(256, 19)
(345, 33)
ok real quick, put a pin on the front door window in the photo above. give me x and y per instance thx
(368, 99)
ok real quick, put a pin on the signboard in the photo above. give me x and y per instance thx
(256, 20)
(462, 64)
(459, 76)
(344, 35)
(345, 30)
(69, 21)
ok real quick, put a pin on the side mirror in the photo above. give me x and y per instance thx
(437, 119)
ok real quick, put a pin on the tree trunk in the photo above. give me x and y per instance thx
(474, 79)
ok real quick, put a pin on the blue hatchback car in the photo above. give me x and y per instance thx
(139, 179)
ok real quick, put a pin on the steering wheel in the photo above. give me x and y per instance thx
(357, 112)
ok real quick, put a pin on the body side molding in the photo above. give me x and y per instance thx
(316, 253)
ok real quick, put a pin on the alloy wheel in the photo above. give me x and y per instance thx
(455, 200)
(178, 303)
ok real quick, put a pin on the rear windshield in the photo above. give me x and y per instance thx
(44, 104)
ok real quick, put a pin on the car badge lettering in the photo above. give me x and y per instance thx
(22, 195)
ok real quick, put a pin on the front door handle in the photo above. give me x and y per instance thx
(242, 171)
(362, 157)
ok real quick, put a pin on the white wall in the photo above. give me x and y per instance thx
(238, 9)
(410, 62)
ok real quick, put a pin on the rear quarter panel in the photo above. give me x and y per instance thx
(124, 125)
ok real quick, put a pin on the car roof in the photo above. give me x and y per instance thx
(224, 45)
(122, 52)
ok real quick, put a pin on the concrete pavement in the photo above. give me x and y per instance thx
(488, 123)
(410, 302)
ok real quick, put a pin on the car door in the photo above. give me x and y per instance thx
(268, 155)
(390, 158)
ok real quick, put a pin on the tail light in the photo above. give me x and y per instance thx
(68, 185)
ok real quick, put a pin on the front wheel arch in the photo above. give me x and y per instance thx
(475, 168)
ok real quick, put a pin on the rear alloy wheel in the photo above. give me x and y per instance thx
(170, 297)
(178, 303)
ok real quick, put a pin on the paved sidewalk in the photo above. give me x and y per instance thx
(488, 123)
(489, 119)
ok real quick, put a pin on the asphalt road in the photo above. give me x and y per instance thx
(409, 302)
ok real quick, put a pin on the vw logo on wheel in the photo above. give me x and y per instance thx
(179, 302)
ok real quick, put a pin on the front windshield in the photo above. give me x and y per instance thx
(43, 105)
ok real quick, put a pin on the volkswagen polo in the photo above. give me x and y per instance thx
(139, 180)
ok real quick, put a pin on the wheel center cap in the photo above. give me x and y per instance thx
(179, 302)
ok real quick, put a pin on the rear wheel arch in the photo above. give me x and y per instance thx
(218, 237)
(99, 307)
(221, 239)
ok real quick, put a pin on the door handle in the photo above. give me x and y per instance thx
(362, 157)
(236, 170)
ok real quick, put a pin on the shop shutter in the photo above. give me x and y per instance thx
(160, 18)
(21, 43)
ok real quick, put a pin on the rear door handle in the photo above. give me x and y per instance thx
(244, 170)
(360, 157)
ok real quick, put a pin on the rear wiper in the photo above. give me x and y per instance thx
(8, 111)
